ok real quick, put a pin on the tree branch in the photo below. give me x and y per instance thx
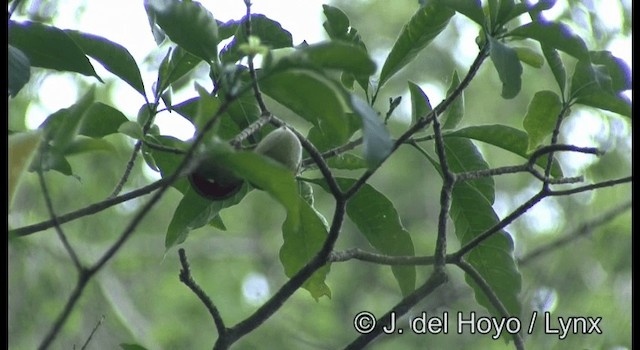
(185, 277)
(585, 229)
(491, 295)
(448, 179)
(88, 210)
(437, 278)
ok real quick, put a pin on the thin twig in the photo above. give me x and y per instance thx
(581, 231)
(554, 140)
(448, 179)
(88, 210)
(437, 278)
(52, 214)
(185, 277)
(264, 119)
(293, 284)
(602, 184)
(163, 148)
(381, 259)
(252, 71)
(491, 295)
(86, 343)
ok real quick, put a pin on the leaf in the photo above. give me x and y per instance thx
(422, 28)
(264, 173)
(49, 47)
(454, 114)
(62, 126)
(101, 120)
(523, 7)
(542, 115)
(493, 258)
(22, 147)
(304, 237)
(529, 56)
(472, 214)
(504, 11)
(168, 162)
(507, 138)
(463, 156)
(311, 96)
(131, 129)
(554, 35)
(189, 25)
(176, 64)
(377, 142)
(420, 105)
(339, 55)
(84, 145)
(556, 66)
(270, 32)
(338, 28)
(19, 70)
(195, 211)
(508, 66)
(614, 103)
(617, 69)
(114, 57)
(471, 9)
(379, 222)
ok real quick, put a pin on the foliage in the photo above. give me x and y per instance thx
(340, 205)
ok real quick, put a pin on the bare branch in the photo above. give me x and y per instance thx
(448, 179)
(84, 346)
(491, 295)
(185, 277)
(52, 214)
(437, 278)
(583, 230)
(88, 210)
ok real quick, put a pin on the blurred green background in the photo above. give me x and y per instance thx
(139, 293)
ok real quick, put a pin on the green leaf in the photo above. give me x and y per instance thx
(84, 145)
(454, 114)
(347, 161)
(423, 27)
(377, 142)
(555, 35)
(420, 105)
(168, 162)
(614, 103)
(504, 11)
(101, 120)
(471, 9)
(174, 66)
(339, 29)
(22, 147)
(508, 66)
(463, 156)
(617, 69)
(529, 56)
(472, 214)
(304, 237)
(264, 173)
(542, 115)
(270, 32)
(523, 7)
(311, 96)
(189, 25)
(49, 47)
(588, 79)
(556, 66)
(379, 222)
(195, 211)
(62, 126)
(19, 70)
(339, 55)
(507, 138)
(131, 129)
(114, 57)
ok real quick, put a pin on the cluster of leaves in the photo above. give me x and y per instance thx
(317, 83)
